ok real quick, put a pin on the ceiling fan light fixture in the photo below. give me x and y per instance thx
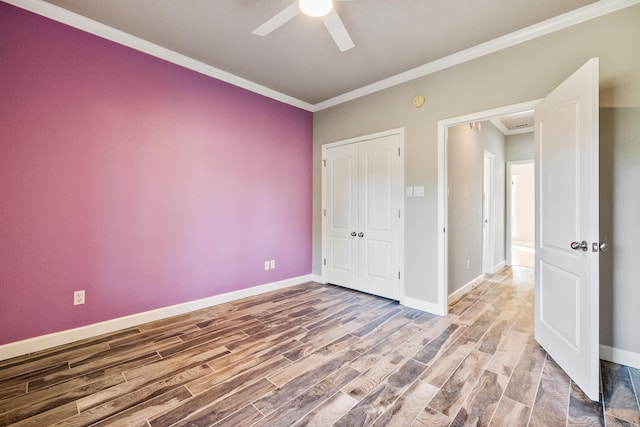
(316, 8)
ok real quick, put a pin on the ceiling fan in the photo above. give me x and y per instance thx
(322, 9)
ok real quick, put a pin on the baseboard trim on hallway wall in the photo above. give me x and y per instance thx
(619, 356)
(500, 265)
(19, 348)
(459, 293)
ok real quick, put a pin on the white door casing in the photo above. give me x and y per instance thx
(362, 224)
(440, 305)
(567, 282)
(512, 215)
(488, 216)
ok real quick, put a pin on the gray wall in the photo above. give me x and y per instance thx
(522, 73)
(620, 227)
(465, 164)
(519, 147)
(464, 169)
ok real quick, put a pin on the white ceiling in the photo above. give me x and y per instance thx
(512, 124)
(299, 62)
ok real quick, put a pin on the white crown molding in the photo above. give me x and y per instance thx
(499, 125)
(80, 22)
(591, 11)
(502, 128)
(560, 22)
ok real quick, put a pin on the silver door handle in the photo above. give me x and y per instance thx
(361, 234)
(583, 245)
(354, 234)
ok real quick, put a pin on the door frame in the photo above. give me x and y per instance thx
(488, 228)
(441, 305)
(509, 212)
(401, 133)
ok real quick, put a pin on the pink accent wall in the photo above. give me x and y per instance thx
(141, 182)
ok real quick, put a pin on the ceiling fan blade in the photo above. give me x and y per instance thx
(337, 30)
(278, 20)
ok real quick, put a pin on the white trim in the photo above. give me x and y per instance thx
(500, 265)
(382, 134)
(90, 26)
(586, 13)
(443, 126)
(317, 278)
(501, 127)
(30, 345)
(523, 243)
(619, 356)
(488, 229)
(459, 293)
(427, 306)
(508, 215)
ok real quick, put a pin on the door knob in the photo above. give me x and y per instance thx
(354, 234)
(604, 246)
(582, 245)
(361, 234)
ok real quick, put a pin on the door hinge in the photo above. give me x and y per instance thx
(324, 163)
(398, 151)
(398, 213)
(325, 212)
(325, 261)
(398, 275)
(444, 230)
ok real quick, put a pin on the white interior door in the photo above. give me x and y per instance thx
(567, 283)
(379, 216)
(341, 216)
(488, 236)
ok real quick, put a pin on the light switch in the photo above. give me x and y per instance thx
(418, 191)
(409, 191)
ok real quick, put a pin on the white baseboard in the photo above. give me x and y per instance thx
(429, 307)
(30, 345)
(619, 356)
(500, 265)
(459, 293)
(317, 278)
(522, 243)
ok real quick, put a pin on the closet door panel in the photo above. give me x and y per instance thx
(378, 211)
(342, 216)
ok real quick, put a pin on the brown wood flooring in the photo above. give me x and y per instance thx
(318, 355)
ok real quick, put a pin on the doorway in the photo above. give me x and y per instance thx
(441, 307)
(520, 206)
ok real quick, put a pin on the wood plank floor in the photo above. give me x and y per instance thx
(318, 355)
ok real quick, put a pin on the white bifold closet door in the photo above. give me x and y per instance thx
(363, 195)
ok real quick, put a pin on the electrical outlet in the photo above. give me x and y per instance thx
(468, 264)
(273, 264)
(266, 265)
(78, 297)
